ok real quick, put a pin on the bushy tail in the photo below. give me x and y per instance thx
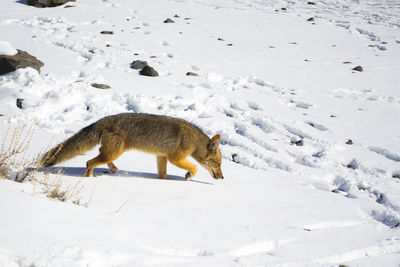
(76, 145)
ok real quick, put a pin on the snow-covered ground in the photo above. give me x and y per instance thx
(279, 89)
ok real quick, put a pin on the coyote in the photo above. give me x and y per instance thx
(170, 139)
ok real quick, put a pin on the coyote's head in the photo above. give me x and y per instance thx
(212, 162)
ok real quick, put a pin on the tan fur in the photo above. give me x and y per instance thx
(170, 139)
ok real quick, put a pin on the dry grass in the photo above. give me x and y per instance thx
(54, 189)
(17, 165)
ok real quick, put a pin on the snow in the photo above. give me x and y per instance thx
(281, 92)
(6, 49)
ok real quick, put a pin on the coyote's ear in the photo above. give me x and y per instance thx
(214, 144)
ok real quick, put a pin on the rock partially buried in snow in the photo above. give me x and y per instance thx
(100, 86)
(138, 64)
(168, 20)
(21, 60)
(47, 3)
(19, 102)
(358, 68)
(148, 71)
(191, 74)
(107, 32)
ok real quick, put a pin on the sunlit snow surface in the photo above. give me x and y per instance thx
(280, 90)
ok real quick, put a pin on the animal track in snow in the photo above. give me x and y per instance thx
(365, 95)
(385, 153)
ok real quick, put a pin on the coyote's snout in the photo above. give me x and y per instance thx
(170, 139)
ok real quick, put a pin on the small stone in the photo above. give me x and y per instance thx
(138, 64)
(358, 68)
(176, 16)
(107, 32)
(148, 71)
(311, 3)
(168, 20)
(100, 86)
(229, 45)
(235, 158)
(108, 45)
(297, 142)
(19, 102)
(283, 8)
(310, 19)
(349, 142)
(191, 74)
(220, 39)
(347, 62)
(396, 175)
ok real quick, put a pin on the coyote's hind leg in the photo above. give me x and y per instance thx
(112, 146)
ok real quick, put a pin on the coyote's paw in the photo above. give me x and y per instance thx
(188, 176)
(112, 167)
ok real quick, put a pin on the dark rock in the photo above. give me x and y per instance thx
(107, 32)
(229, 45)
(191, 74)
(311, 3)
(349, 142)
(138, 64)
(235, 158)
(100, 86)
(297, 142)
(358, 68)
(47, 3)
(19, 102)
(311, 19)
(176, 16)
(396, 175)
(21, 60)
(148, 71)
(168, 20)
(346, 62)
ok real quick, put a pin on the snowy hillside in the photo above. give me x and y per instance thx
(310, 144)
